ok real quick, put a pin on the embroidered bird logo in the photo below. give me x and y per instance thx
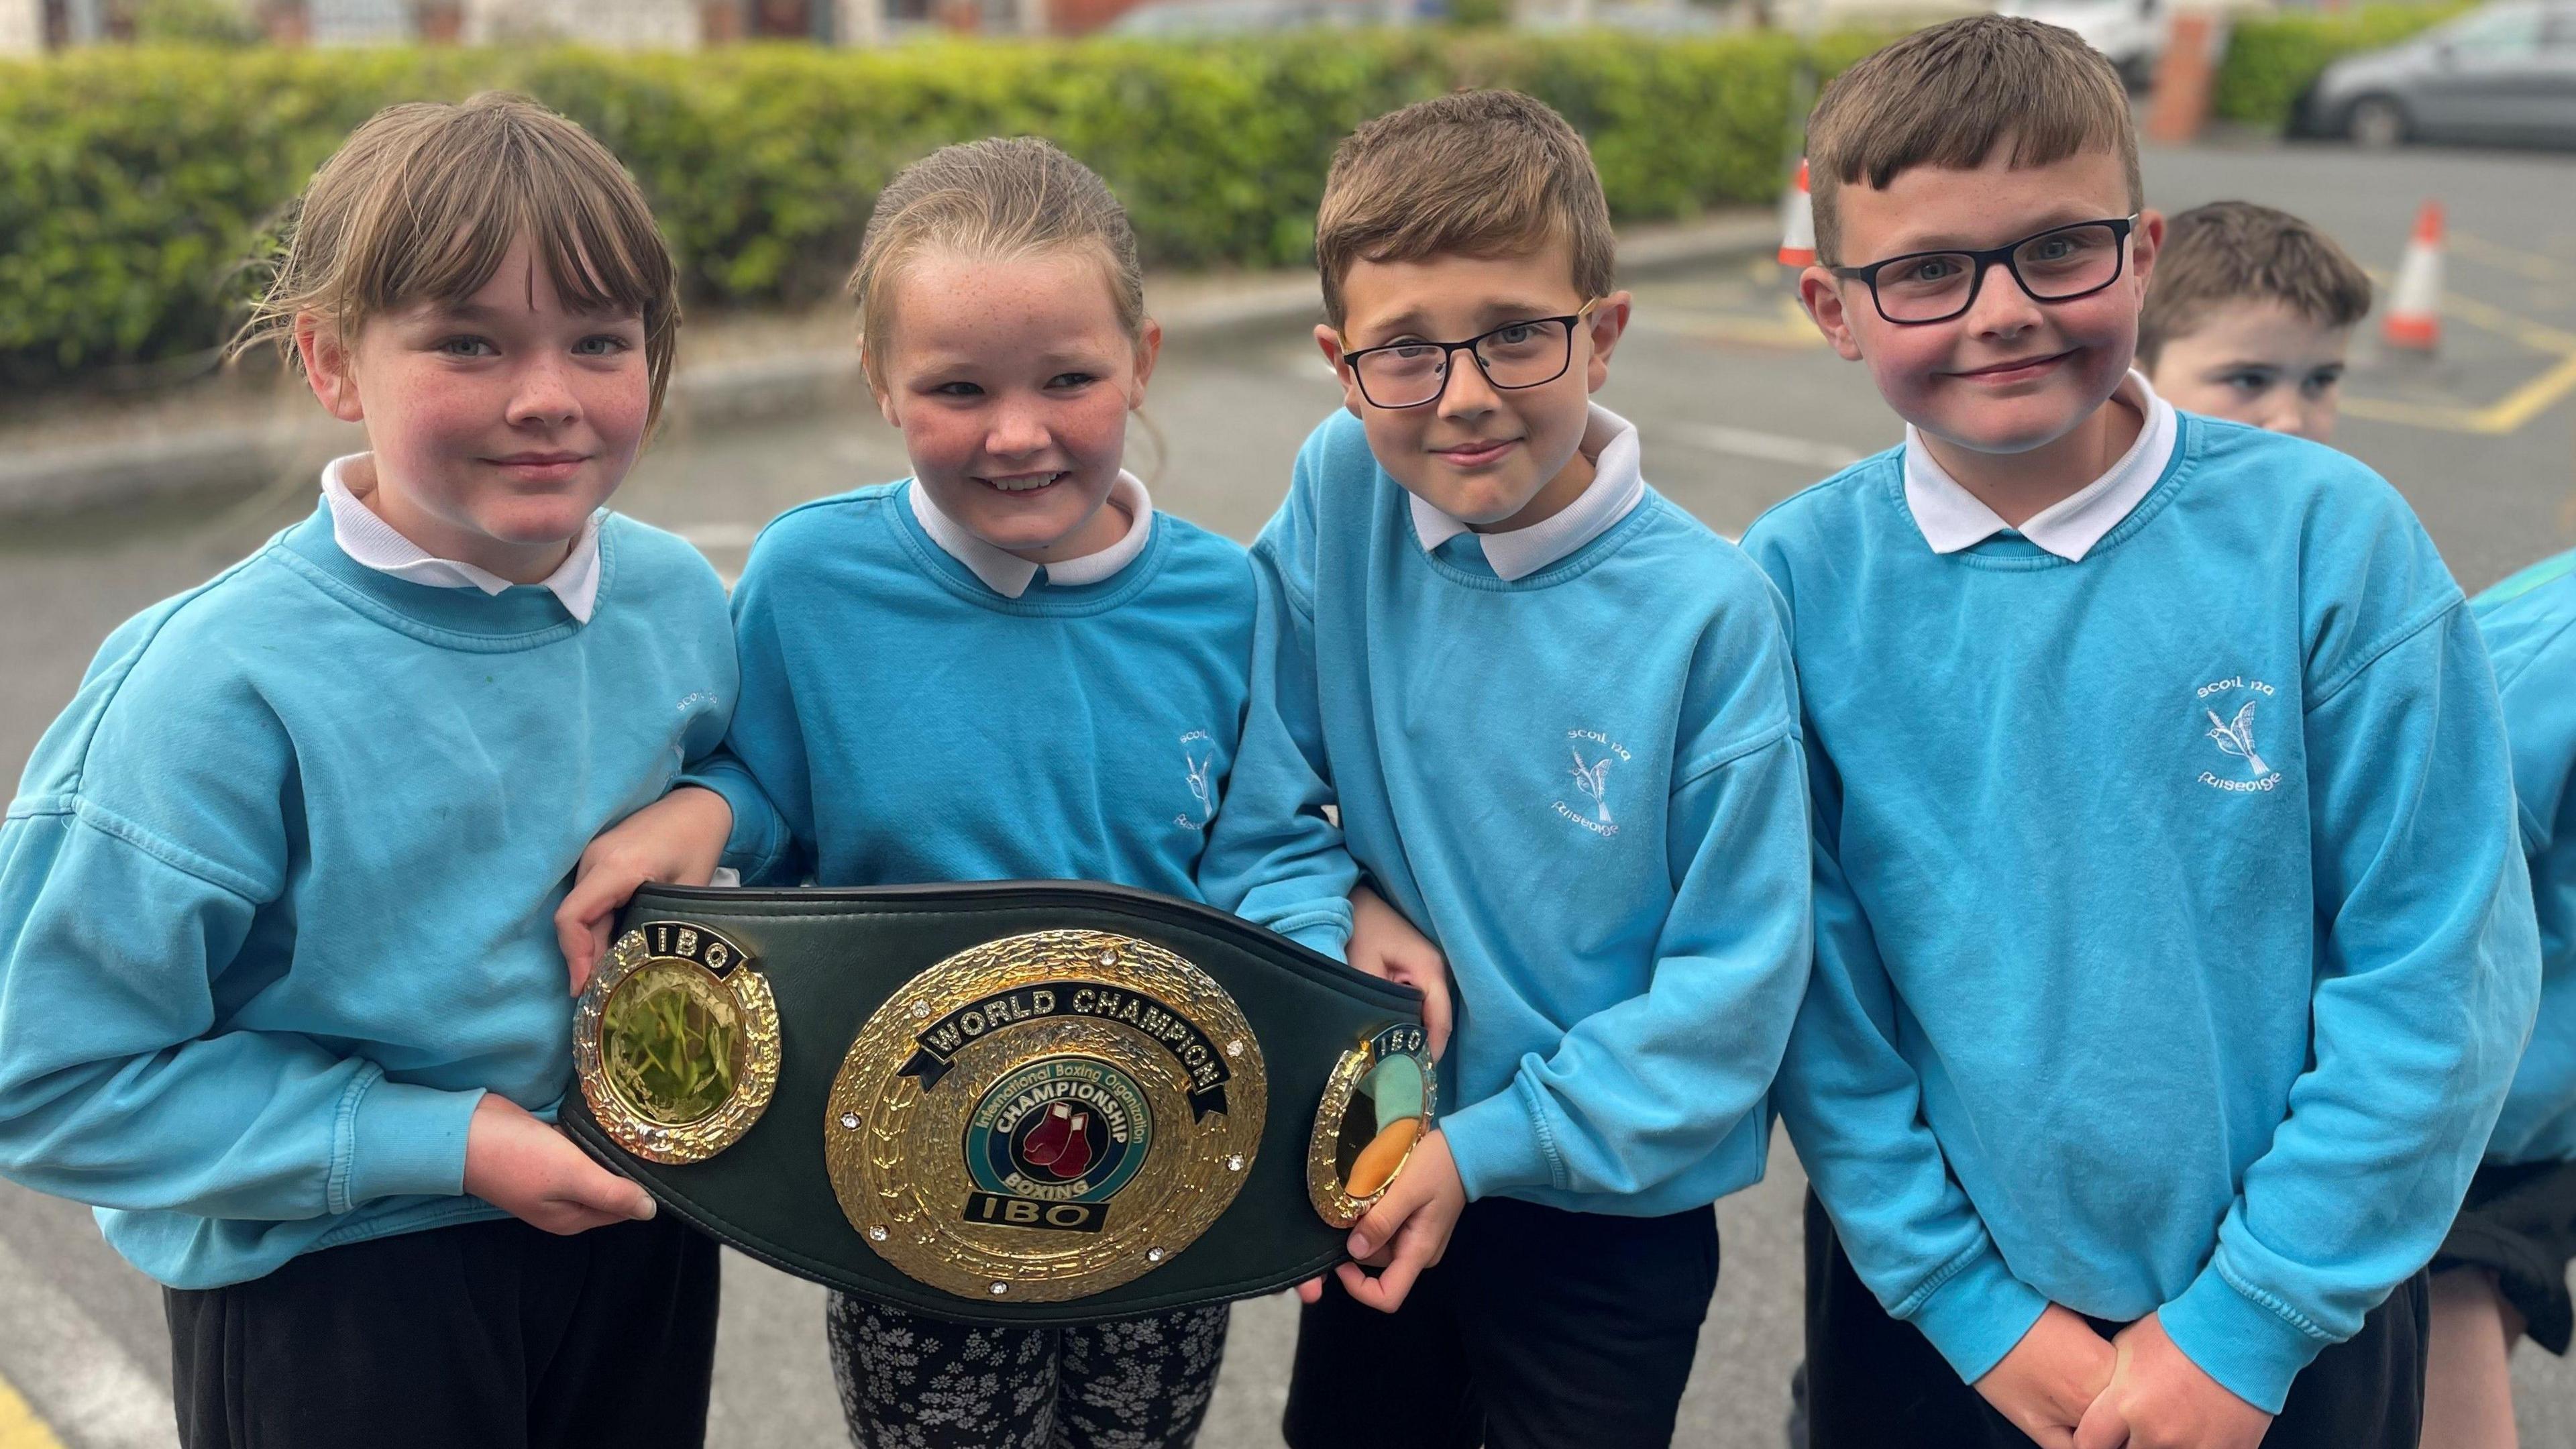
(1201, 787)
(2238, 738)
(1594, 780)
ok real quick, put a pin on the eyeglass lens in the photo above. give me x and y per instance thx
(2052, 266)
(1524, 354)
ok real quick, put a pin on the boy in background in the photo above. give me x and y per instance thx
(2250, 317)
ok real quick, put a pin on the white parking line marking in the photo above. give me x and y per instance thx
(1770, 447)
(74, 1375)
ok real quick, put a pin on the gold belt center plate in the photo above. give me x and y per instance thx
(1046, 1116)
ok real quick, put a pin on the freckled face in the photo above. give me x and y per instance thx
(496, 425)
(1012, 381)
(2010, 374)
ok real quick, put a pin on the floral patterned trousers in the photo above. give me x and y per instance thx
(911, 1382)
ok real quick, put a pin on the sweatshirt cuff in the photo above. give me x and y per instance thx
(2254, 1351)
(406, 1141)
(758, 838)
(1322, 933)
(1978, 1314)
(1498, 1145)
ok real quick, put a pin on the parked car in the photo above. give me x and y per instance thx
(2504, 73)
(2131, 32)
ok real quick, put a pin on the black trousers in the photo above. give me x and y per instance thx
(494, 1335)
(1876, 1381)
(2519, 1223)
(1540, 1329)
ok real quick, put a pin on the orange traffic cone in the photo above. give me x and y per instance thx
(1798, 223)
(2414, 320)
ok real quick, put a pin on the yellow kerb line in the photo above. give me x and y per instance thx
(2532, 398)
(1789, 327)
(19, 1426)
(2531, 265)
(2538, 336)
(2507, 414)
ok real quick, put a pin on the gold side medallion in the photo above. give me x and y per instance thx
(676, 1041)
(1045, 1117)
(1377, 1105)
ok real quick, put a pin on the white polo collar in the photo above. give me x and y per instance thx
(1618, 485)
(1008, 574)
(364, 536)
(1952, 518)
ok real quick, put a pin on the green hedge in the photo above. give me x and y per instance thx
(2271, 59)
(131, 180)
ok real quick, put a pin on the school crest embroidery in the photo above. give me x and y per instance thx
(1198, 753)
(1595, 755)
(2234, 734)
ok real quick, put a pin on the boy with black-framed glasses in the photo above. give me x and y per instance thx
(2174, 946)
(1558, 718)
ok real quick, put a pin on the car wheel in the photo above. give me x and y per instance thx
(2376, 123)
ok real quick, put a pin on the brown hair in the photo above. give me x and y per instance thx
(422, 202)
(1947, 96)
(2230, 251)
(1479, 174)
(999, 198)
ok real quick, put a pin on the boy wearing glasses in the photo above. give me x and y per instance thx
(2174, 947)
(1560, 724)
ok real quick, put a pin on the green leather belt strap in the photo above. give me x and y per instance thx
(1002, 1102)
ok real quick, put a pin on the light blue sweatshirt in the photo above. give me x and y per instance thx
(2173, 945)
(2526, 621)
(1585, 784)
(276, 894)
(903, 722)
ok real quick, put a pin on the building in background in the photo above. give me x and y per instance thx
(622, 24)
(68, 22)
(30, 25)
(27, 26)
(22, 27)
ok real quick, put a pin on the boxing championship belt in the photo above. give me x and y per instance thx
(1001, 1102)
